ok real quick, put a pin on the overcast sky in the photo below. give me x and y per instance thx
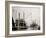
(30, 14)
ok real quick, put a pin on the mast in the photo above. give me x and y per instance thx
(23, 15)
(18, 20)
(23, 19)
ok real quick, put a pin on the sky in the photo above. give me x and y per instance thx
(31, 14)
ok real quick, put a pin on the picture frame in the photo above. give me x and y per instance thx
(24, 6)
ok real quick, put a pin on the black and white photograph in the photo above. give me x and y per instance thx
(25, 18)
